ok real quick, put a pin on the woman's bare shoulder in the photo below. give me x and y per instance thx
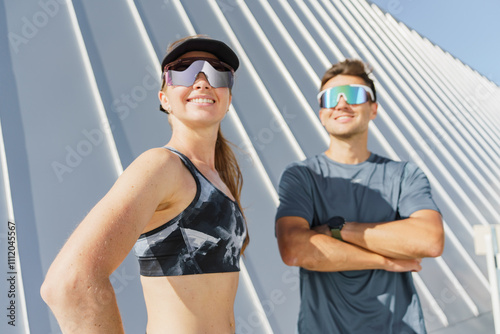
(160, 157)
(158, 163)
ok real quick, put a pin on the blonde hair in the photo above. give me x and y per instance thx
(229, 171)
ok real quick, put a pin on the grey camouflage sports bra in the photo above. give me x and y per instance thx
(204, 238)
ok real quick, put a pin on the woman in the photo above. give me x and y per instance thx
(178, 205)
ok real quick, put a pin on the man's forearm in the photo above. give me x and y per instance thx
(415, 237)
(324, 253)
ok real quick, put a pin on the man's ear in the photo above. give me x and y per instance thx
(321, 111)
(374, 111)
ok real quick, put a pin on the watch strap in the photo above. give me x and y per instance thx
(336, 234)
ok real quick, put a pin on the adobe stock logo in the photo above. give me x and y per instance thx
(32, 26)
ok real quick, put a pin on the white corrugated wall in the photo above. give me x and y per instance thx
(78, 86)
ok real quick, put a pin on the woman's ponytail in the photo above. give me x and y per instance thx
(229, 171)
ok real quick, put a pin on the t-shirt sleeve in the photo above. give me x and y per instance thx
(295, 193)
(415, 192)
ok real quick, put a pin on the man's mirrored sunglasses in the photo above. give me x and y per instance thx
(353, 94)
(184, 71)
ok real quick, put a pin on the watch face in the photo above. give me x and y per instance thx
(336, 222)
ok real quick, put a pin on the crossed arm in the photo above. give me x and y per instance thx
(393, 246)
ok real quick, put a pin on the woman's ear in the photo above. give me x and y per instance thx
(164, 101)
(229, 104)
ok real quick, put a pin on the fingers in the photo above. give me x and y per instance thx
(398, 265)
(418, 266)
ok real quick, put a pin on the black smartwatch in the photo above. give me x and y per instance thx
(335, 224)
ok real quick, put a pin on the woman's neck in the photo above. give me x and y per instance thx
(196, 146)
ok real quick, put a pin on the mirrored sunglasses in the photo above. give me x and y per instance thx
(353, 94)
(184, 71)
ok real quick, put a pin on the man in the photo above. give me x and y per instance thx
(357, 224)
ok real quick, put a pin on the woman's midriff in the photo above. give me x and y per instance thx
(191, 303)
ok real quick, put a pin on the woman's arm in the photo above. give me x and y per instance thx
(77, 286)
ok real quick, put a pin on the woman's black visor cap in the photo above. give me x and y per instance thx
(219, 49)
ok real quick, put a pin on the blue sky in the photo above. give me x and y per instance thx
(469, 30)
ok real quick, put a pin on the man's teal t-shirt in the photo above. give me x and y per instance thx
(376, 190)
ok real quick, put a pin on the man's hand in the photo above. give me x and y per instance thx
(397, 265)
(322, 229)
